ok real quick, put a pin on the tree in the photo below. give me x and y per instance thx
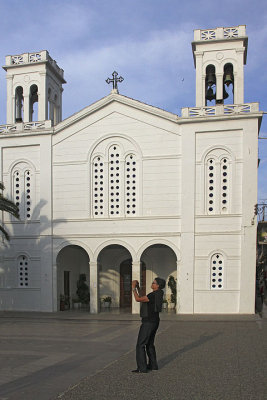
(8, 206)
(83, 290)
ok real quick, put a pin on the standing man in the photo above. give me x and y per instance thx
(151, 305)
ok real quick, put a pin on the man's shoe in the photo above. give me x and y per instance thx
(152, 369)
(139, 372)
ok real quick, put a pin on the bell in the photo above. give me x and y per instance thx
(228, 79)
(210, 95)
(211, 80)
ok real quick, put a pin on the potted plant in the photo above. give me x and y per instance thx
(165, 304)
(107, 301)
(76, 303)
(172, 286)
(83, 290)
(62, 302)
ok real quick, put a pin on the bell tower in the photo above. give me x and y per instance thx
(34, 88)
(219, 56)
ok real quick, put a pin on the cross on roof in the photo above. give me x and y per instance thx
(115, 80)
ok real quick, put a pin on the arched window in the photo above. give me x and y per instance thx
(114, 182)
(98, 200)
(23, 271)
(19, 104)
(216, 271)
(228, 84)
(224, 188)
(131, 184)
(210, 84)
(22, 189)
(34, 103)
(217, 182)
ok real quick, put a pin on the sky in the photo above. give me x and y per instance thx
(147, 41)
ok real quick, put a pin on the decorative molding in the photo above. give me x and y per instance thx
(220, 110)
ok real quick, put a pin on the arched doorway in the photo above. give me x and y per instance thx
(115, 276)
(160, 260)
(72, 261)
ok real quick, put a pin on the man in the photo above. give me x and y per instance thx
(151, 305)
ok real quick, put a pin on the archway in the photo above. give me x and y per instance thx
(160, 260)
(115, 276)
(72, 261)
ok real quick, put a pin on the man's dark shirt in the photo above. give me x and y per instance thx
(150, 310)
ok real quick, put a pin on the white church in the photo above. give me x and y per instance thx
(123, 190)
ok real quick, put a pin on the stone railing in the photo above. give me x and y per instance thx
(219, 110)
(220, 33)
(33, 58)
(22, 127)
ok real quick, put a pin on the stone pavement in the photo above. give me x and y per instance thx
(80, 356)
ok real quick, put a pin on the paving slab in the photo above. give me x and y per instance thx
(70, 355)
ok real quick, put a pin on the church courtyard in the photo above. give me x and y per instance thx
(77, 355)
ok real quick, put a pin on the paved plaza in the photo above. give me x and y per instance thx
(75, 355)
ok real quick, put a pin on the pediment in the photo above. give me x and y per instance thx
(115, 98)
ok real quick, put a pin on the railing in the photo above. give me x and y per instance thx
(24, 126)
(220, 33)
(33, 58)
(219, 110)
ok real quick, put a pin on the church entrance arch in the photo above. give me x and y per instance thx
(160, 260)
(115, 276)
(72, 262)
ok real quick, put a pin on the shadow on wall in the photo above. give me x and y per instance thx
(26, 272)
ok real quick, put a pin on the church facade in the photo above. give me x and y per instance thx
(122, 190)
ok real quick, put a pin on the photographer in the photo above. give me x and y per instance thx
(151, 305)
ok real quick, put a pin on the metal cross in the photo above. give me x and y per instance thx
(115, 80)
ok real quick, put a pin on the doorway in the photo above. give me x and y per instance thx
(125, 284)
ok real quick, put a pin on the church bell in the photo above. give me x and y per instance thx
(210, 95)
(211, 79)
(228, 79)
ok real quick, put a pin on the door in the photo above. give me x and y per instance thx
(126, 284)
(67, 289)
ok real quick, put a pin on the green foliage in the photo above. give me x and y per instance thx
(107, 299)
(172, 286)
(8, 206)
(83, 290)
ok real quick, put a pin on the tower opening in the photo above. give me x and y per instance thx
(33, 103)
(210, 84)
(228, 84)
(19, 100)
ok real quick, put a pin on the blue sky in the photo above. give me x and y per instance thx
(148, 42)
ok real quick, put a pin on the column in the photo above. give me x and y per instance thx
(186, 273)
(136, 269)
(249, 224)
(10, 109)
(200, 88)
(219, 86)
(26, 108)
(178, 301)
(94, 303)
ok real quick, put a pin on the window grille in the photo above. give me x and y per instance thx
(114, 184)
(23, 271)
(217, 271)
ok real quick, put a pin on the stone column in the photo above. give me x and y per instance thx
(10, 109)
(219, 86)
(200, 86)
(136, 268)
(94, 302)
(177, 287)
(26, 108)
(186, 273)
